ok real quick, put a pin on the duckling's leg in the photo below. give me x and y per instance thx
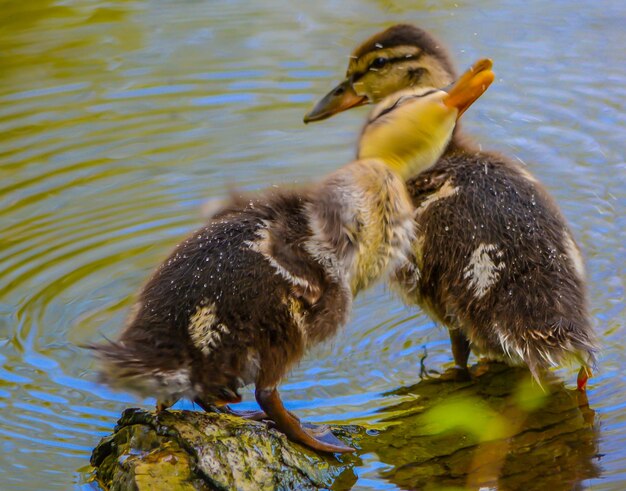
(460, 348)
(163, 404)
(324, 441)
(460, 352)
(212, 408)
(252, 415)
(584, 374)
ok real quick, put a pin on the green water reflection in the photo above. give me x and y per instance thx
(500, 431)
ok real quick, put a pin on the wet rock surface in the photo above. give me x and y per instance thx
(193, 450)
(497, 431)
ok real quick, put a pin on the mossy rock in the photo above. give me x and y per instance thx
(193, 450)
(499, 430)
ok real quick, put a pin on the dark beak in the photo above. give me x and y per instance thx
(337, 100)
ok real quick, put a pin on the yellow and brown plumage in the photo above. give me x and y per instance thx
(494, 260)
(243, 298)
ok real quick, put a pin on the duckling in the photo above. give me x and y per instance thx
(494, 260)
(242, 299)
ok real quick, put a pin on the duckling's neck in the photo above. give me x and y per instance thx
(409, 145)
(460, 143)
(409, 165)
(361, 221)
(385, 213)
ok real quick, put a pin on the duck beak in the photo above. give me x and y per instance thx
(472, 84)
(337, 100)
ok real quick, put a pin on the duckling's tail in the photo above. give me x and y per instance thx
(126, 367)
(564, 342)
(117, 361)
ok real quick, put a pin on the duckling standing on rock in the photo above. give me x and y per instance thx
(242, 299)
(494, 260)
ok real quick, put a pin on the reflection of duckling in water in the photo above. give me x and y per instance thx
(243, 298)
(494, 260)
(502, 432)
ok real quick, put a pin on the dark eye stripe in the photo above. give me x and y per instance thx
(379, 62)
(387, 60)
(396, 59)
(357, 75)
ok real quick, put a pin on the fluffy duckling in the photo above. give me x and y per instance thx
(242, 299)
(494, 260)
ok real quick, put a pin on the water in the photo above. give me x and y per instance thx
(119, 119)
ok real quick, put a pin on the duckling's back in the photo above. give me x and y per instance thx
(242, 298)
(218, 308)
(497, 260)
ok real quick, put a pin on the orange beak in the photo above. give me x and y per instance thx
(337, 100)
(472, 84)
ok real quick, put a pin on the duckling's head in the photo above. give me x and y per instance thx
(409, 130)
(398, 58)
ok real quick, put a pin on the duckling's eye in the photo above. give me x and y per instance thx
(378, 63)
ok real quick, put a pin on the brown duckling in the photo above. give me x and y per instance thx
(242, 299)
(494, 260)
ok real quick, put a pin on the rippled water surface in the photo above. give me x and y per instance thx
(119, 119)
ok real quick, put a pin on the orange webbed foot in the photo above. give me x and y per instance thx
(584, 374)
(317, 438)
